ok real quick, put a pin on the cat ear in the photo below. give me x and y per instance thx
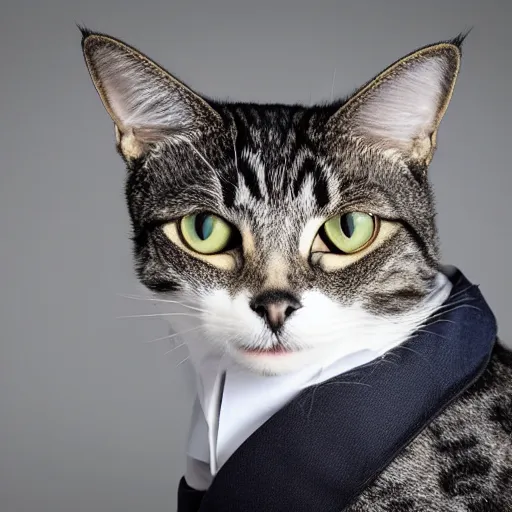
(400, 110)
(145, 102)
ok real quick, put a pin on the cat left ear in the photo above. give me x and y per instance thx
(145, 102)
(400, 110)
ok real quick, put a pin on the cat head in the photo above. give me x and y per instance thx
(289, 233)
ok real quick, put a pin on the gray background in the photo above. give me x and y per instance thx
(92, 418)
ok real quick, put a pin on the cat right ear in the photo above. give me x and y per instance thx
(145, 102)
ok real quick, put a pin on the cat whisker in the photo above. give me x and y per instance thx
(424, 331)
(357, 383)
(385, 359)
(234, 152)
(451, 310)
(174, 348)
(462, 291)
(454, 303)
(442, 320)
(208, 322)
(150, 299)
(421, 356)
(199, 154)
(181, 362)
(158, 315)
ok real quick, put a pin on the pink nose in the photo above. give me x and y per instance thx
(275, 307)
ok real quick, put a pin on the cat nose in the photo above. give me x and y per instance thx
(275, 307)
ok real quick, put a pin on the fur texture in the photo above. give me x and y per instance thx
(462, 462)
(276, 174)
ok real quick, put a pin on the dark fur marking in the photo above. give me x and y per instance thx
(502, 414)
(459, 477)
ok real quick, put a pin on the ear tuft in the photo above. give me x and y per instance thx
(458, 41)
(85, 32)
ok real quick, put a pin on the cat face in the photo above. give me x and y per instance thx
(288, 234)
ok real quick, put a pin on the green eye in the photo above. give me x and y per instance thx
(205, 233)
(350, 232)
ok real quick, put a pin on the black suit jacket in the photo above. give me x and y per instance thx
(320, 451)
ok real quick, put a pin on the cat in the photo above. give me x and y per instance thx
(297, 236)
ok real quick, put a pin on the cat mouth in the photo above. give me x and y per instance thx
(277, 350)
